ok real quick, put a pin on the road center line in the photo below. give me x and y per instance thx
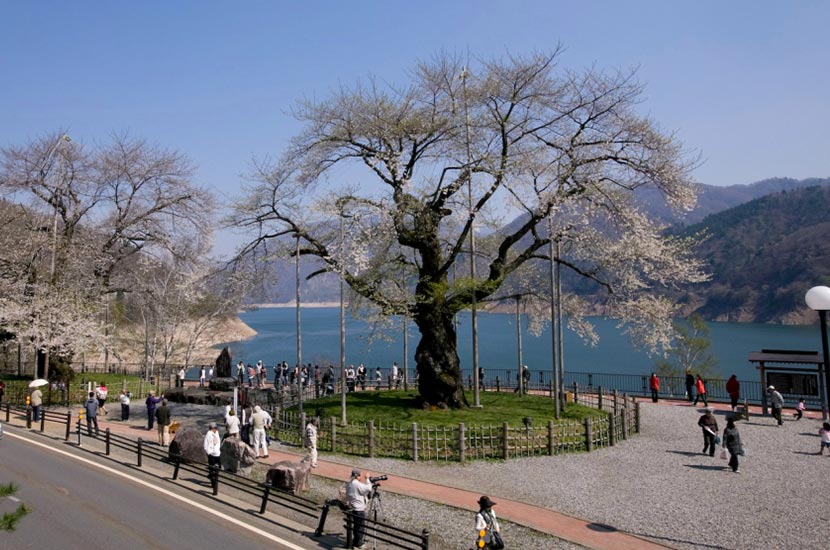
(225, 517)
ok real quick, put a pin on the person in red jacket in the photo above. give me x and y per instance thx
(733, 388)
(701, 391)
(654, 386)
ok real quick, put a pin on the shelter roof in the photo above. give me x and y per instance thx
(784, 356)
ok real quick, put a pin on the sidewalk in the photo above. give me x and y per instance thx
(571, 529)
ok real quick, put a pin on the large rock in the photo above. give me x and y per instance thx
(237, 456)
(223, 364)
(189, 445)
(290, 476)
(224, 383)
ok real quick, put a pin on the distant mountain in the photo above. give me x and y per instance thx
(713, 199)
(763, 256)
(769, 242)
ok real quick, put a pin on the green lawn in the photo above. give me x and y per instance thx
(398, 407)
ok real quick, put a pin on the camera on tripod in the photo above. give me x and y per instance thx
(375, 480)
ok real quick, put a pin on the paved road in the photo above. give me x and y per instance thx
(81, 503)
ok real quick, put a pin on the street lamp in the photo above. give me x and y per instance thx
(343, 216)
(472, 212)
(818, 299)
(299, 331)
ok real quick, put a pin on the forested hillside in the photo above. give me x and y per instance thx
(763, 256)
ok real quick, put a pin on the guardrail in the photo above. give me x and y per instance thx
(45, 416)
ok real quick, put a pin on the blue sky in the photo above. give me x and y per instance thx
(744, 83)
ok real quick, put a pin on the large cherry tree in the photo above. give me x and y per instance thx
(384, 184)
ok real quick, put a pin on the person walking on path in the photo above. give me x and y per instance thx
(311, 441)
(91, 410)
(690, 384)
(202, 377)
(125, 405)
(101, 392)
(151, 403)
(710, 430)
(213, 445)
(486, 521)
(777, 402)
(163, 420)
(732, 442)
(654, 386)
(733, 388)
(36, 400)
(180, 378)
(258, 421)
(799, 409)
(701, 391)
(357, 490)
(824, 432)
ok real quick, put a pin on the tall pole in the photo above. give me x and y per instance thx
(522, 388)
(473, 304)
(560, 327)
(405, 354)
(58, 190)
(822, 316)
(553, 324)
(299, 331)
(342, 323)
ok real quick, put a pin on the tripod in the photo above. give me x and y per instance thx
(375, 509)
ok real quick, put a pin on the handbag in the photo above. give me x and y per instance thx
(723, 453)
(496, 542)
(742, 452)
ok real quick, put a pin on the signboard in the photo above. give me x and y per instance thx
(794, 383)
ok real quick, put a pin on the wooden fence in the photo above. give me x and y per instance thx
(461, 442)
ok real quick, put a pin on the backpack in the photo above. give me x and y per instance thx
(343, 496)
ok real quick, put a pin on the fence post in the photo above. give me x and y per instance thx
(425, 539)
(599, 398)
(333, 434)
(615, 394)
(138, 451)
(550, 438)
(29, 418)
(42, 421)
(302, 429)
(8, 411)
(576, 392)
(107, 444)
(213, 476)
(636, 417)
(68, 424)
(371, 439)
(612, 424)
(589, 436)
(624, 420)
(498, 384)
(505, 429)
(349, 521)
(79, 431)
(415, 442)
(462, 450)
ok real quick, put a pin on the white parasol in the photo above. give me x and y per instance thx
(38, 382)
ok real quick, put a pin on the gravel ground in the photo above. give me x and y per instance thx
(660, 486)
(657, 485)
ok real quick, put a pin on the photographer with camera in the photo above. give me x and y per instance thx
(357, 491)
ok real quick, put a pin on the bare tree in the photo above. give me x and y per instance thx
(458, 147)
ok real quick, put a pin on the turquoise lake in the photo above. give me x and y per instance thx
(276, 340)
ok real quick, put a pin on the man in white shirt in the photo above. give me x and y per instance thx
(213, 444)
(358, 490)
(258, 423)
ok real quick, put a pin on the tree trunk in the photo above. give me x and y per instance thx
(439, 370)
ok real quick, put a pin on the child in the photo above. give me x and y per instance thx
(824, 432)
(799, 409)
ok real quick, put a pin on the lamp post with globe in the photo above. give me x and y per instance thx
(818, 299)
